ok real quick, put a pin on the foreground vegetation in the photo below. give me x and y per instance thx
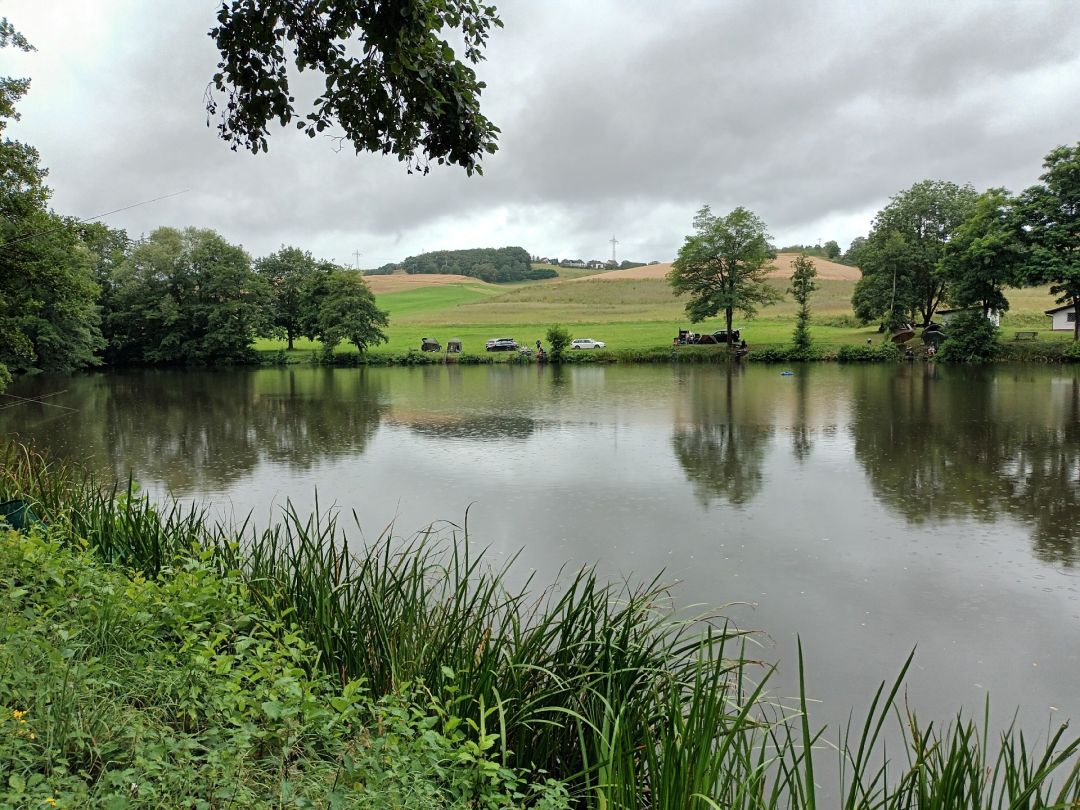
(153, 658)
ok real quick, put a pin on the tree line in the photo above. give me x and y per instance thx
(938, 243)
(935, 244)
(81, 295)
(495, 265)
(76, 294)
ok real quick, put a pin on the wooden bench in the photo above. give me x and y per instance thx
(1025, 335)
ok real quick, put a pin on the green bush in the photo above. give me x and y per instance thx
(770, 354)
(1071, 353)
(119, 691)
(881, 353)
(558, 339)
(970, 338)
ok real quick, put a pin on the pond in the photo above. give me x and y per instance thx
(866, 510)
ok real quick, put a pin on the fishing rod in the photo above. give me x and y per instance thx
(39, 400)
(91, 219)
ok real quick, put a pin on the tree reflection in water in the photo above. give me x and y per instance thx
(965, 443)
(201, 430)
(721, 441)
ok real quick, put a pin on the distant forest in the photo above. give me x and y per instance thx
(495, 265)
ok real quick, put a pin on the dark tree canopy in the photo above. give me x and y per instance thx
(341, 307)
(985, 255)
(288, 272)
(48, 298)
(722, 266)
(495, 265)
(186, 297)
(393, 84)
(900, 261)
(1051, 212)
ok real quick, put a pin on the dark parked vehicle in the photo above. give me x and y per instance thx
(720, 336)
(502, 345)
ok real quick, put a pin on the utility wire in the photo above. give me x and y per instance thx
(38, 400)
(91, 219)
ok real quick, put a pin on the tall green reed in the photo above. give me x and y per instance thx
(606, 686)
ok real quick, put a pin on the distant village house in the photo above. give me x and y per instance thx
(1063, 318)
(943, 316)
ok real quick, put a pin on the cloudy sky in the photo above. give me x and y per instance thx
(618, 117)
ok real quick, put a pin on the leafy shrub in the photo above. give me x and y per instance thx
(882, 353)
(558, 338)
(970, 338)
(120, 691)
(1071, 353)
(770, 354)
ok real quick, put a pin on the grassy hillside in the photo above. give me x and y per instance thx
(636, 314)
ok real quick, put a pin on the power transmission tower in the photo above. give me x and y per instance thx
(357, 254)
(614, 242)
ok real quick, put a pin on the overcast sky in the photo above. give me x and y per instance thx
(618, 118)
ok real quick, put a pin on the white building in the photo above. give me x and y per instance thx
(1063, 318)
(943, 316)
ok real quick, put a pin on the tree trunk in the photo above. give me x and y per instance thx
(1076, 318)
(289, 335)
(730, 338)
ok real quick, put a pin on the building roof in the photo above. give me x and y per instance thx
(1057, 309)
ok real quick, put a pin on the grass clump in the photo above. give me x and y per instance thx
(411, 674)
(121, 691)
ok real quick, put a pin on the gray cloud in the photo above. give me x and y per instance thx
(621, 117)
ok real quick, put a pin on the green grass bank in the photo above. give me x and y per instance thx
(153, 658)
(637, 319)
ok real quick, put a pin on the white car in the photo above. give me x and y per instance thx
(587, 343)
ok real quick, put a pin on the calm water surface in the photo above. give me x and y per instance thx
(868, 510)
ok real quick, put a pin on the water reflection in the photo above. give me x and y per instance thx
(720, 442)
(936, 445)
(976, 444)
(801, 443)
(196, 431)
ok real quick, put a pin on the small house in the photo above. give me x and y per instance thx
(943, 316)
(595, 264)
(1063, 318)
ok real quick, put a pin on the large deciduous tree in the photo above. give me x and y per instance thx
(289, 272)
(1051, 213)
(186, 297)
(900, 261)
(341, 307)
(722, 266)
(393, 83)
(48, 298)
(985, 255)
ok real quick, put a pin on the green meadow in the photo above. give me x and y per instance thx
(632, 315)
